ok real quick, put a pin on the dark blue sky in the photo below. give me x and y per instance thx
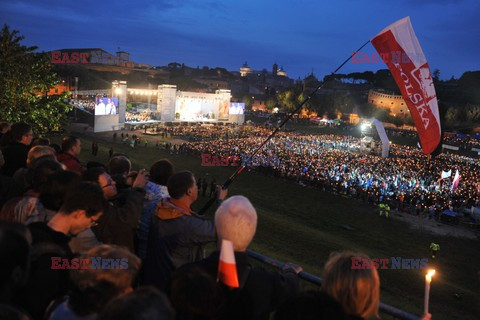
(299, 35)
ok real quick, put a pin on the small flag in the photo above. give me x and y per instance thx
(227, 268)
(446, 174)
(456, 181)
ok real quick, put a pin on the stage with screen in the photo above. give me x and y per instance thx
(237, 108)
(106, 106)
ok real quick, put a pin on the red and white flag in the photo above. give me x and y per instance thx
(401, 52)
(227, 268)
(456, 181)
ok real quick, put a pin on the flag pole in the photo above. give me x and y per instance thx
(242, 167)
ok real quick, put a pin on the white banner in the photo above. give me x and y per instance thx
(446, 146)
(383, 136)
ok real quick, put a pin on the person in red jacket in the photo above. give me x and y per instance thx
(71, 148)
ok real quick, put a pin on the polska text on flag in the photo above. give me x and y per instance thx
(404, 57)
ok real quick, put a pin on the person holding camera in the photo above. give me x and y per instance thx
(120, 221)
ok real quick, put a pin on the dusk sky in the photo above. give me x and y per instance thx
(299, 35)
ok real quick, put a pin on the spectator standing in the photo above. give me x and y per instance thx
(93, 288)
(177, 235)
(119, 222)
(82, 207)
(15, 152)
(260, 291)
(155, 190)
(94, 148)
(71, 148)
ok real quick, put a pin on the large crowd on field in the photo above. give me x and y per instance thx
(102, 241)
(407, 179)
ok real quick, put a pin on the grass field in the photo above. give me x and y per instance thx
(303, 225)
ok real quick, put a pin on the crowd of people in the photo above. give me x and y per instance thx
(101, 241)
(87, 105)
(139, 117)
(406, 180)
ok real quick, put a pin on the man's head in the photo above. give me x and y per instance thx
(120, 165)
(53, 190)
(41, 169)
(21, 132)
(71, 145)
(102, 283)
(236, 220)
(83, 206)
(99, 176)
(182, 185)
(161, 171)
(37, 152)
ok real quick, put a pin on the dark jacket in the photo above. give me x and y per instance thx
(118, 224)
(15, 155)
(176, 237)
(261, 291)
(72, 163)
(45, 283)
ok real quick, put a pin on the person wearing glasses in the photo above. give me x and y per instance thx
(82, 207)
(120, 220)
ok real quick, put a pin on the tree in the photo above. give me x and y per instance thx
(436, 75)
(397, 121)
(290, 99)
(270, 104)
(247, 99)
(26, 77)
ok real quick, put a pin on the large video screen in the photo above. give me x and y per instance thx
(236, 108)
(106, 106)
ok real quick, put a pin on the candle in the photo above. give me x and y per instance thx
(428, 280)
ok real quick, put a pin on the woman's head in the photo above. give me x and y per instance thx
(357, 290)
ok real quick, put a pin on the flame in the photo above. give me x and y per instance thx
(429, 275)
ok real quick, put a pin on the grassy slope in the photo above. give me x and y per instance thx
(304, 225)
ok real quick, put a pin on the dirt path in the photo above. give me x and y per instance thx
(432, 226)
